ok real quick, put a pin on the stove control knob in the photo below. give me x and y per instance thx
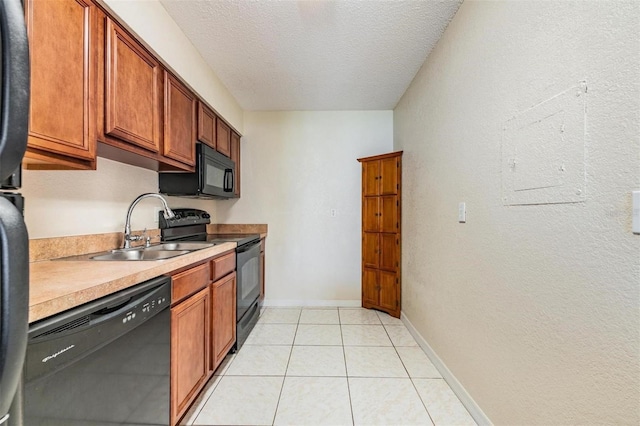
(206, 215)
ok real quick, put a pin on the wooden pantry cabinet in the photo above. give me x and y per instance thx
(63, 41)
(381, 232)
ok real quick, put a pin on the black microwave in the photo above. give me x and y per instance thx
(214, 177)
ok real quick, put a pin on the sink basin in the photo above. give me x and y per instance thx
(189, 246)
(140, 254)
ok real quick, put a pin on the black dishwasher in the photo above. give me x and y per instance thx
(105, 362)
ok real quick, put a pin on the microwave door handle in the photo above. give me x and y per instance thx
(228, 180)
(15, 87)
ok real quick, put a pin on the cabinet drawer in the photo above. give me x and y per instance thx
(223, 265)
(188, 282)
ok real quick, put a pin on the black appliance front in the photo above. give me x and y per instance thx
(214, 177)
(106, 362)
(14, 241)
(248, 274)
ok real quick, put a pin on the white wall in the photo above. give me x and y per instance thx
(59, 203)
(296, 167)
(535, 309)
(151, 22)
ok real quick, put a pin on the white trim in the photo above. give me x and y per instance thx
(340, 303)
(472, 407)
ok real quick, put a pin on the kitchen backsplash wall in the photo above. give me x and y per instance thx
(60, 203)
(299, 168)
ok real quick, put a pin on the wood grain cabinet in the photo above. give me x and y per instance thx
(63, 43)
(223, 318)
(133, 82)
(206, 125)
(223, 137)
(381, 225)
(179, 121)
(190, 337)
(235, 156)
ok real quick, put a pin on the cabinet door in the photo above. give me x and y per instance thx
(370, 178)
(132, 93)
(389, 176)
(62, 49)
(206, 125)
(370, 214)
(371, 249)
(235, 156)
(223, 138)
(224, 317)
(369, 288)
(190, 345)
(389, 252)
(388, 291)
(389, 214)
(179, 121)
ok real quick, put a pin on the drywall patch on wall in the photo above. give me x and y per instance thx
(543, 151)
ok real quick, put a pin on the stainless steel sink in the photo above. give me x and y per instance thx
(190, 246)
(140, 254)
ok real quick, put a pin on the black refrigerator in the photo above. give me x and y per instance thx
(14, 241)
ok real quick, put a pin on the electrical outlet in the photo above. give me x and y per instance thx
(334, 212)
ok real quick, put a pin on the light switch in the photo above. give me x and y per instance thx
(635, 212)
(462, 212)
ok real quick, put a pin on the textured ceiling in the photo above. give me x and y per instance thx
(314, 55)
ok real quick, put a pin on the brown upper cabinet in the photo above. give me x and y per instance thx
(132, 90)
(223, 138)
(63, 53)
(179, 121)
(235, 156)
(206, 125)
(97, 90)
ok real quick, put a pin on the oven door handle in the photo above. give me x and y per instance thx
(247, 247)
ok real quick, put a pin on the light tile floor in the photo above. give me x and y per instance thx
(328, 366)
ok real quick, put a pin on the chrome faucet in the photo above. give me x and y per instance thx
(168, 214)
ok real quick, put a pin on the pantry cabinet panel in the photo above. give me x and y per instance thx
(63, 54)
(133, 89)
(389, 176)
(389, 248)
(370, 178)
(370, 212)
(179, 121)
(369, 288)
(389, 221)
(389, 298)
(371, 249)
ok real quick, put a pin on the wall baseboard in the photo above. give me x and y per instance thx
(472, 407)
(312, 303)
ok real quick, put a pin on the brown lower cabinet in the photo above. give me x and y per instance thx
(203, 327)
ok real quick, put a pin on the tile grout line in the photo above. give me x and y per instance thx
(275, 413)
(346, 371)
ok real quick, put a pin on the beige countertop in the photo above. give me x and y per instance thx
(58, 285)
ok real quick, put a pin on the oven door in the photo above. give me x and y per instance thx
(217, 173)
(248, 273)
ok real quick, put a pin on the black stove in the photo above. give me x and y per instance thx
(191, 225)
